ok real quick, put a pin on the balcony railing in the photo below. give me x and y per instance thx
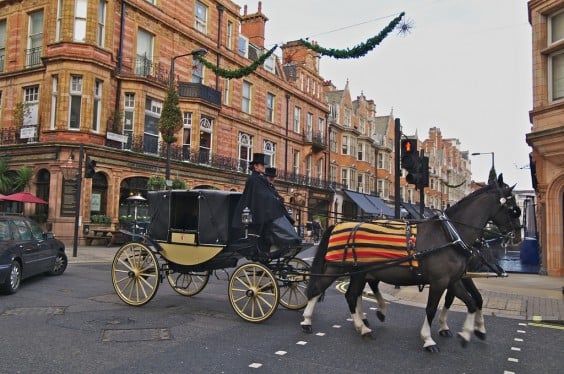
(316, 139)
(199, 91)
(33, 57)
(208, 158)
(146, 68)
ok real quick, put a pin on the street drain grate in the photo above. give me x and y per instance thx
(136, 335)
(35, 311)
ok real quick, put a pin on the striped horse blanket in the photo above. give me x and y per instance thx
(375, 241)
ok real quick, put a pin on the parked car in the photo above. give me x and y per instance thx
(25, 251)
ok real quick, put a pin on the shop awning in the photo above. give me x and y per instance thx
(413, 210)
(370, 205)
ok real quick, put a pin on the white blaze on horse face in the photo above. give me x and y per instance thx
(426, 334)
(308, 311)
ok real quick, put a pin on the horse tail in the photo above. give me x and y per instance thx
(319, 259)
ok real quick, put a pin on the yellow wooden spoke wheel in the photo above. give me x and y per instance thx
(188, 284)
(253, 292)
(293, 285)
(135, 274)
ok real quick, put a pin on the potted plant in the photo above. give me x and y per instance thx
(156, 182)
(178, 184)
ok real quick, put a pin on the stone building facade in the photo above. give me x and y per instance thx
(547, 132)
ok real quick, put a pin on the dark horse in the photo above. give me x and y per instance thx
(441, 250)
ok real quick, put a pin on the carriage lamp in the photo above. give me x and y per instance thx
(246, 217)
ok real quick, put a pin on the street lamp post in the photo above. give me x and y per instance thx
(195, 52)
(487, 153)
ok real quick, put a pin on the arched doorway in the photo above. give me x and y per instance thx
(99, 198)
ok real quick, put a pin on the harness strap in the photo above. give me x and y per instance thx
(352, 235)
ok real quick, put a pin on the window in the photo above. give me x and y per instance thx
(309, 126)
(80, 12)
(205, 140)
(333, 141)
(186, 135)
(243, 46)
(2, 44)
(0, 105)
(361, 126)
(269, 107)
(201, 17)
(226, 91)
(309, 163)
(360, 154)
(345, 177)
(297, 115)
(35, 39)
(97, 109)
(345, 145)
(101, 23)
(319, 170)
(151, 131)
(75, 102)
(229, 37)
(144, 60)
(321, 129)
(197, 71)
(333, 174)
(59, 20)
(360, 183)
(556, 59)
(296, 164)
(246, 97)
(269, 150)
(347, 117)
(128, 113)
(245, 151)
(269, 64)
(54, 99)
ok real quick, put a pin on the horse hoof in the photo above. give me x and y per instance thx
(381, 316)
(433, 348)
(307, 329)
(445, 333)
(365, 321)
(367, 336)
(480, 335)
(463, 342)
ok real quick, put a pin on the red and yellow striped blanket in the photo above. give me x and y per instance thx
(376, 241)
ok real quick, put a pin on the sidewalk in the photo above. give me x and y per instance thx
(522, 296)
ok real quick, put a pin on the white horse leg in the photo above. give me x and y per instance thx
(382, 306)
(467, 328)
(443, 325)
(480, 326)
(426, 334)
(358, 319)
(308, 312)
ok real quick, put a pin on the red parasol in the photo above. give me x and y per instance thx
(24, 197)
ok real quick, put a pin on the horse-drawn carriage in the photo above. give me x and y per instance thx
(190, 236)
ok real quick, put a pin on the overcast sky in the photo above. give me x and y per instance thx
(465, 67)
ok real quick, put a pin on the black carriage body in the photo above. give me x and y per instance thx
(205, 213)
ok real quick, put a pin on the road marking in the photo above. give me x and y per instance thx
(511, 359)
(280, 353)
(518, 339)
(521, 331)
(522, 324)
(547, 326)
(255, 365)
(301, 342)
(320, 334)
(537, 318)
(508, 372)
(336, 326)
(516, 349)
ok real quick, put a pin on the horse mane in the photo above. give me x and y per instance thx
(450, 210)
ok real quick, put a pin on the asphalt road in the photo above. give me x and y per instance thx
(75, 323)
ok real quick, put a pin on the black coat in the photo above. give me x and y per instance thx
(259, 197)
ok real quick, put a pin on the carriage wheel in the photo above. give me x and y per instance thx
(188, 284)
(253, 292)
(135, 274)
(293, 285)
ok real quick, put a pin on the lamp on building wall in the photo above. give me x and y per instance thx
(69, 169)
(195, 52)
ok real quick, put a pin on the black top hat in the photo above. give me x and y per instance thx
(270, 172)
(258, 158)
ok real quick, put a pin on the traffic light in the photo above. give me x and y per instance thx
(90, 169)
(409, 155)
(419, 176)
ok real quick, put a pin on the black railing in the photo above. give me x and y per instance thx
(199, 91)
(146, 68)
(316, 139)
(33, 57)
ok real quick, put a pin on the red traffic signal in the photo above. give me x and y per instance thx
(408, 146)
(409, 156)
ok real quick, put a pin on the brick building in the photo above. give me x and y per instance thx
(547, 133)
(89, 79)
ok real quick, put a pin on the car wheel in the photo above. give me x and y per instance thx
(12, 282)
(60, 264)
